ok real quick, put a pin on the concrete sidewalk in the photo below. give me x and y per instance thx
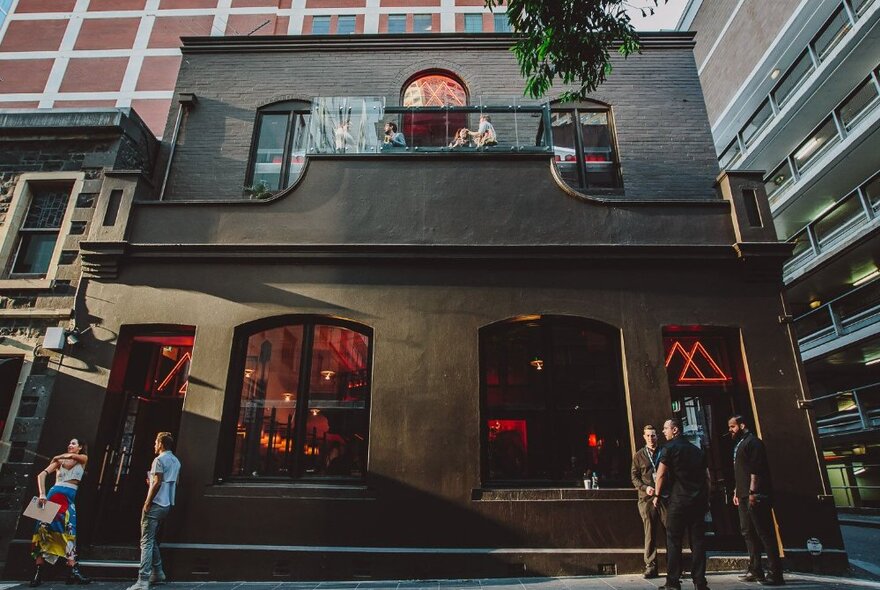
(864, 520)
(725, 581)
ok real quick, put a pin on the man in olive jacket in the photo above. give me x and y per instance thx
(643, 473)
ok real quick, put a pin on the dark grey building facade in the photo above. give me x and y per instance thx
(388, 361)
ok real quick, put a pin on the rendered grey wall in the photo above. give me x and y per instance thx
(424, 430)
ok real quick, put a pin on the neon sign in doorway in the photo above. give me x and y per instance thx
(691, 373)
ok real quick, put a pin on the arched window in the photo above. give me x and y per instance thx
(279, 146)
(434, 89)
(304, 390)
(584, 146)
(553, 405)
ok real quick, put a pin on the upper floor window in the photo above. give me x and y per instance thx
(397, 23)
(583, 142)
(433, 90)
(473, 23)
(832, 33)
(36, 220)
(320, 25)
(796, 74)
(280, 145)
(39, 231)
(345, 25)
(502, 23)
(304, 399)
(553, 406)
(422, 23)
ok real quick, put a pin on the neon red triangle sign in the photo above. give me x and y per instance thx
(692, 372)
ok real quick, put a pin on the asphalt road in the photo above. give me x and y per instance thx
(863, 548)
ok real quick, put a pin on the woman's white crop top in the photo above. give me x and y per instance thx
(76, 472)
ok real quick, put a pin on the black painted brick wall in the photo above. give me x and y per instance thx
(663, 131)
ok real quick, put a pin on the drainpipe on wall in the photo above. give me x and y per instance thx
(186, 100)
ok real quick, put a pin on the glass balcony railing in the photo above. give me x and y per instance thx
(852, 311)
(349, 125)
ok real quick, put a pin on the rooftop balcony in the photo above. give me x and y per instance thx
(580, 139)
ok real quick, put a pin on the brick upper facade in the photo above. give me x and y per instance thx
(66, 53)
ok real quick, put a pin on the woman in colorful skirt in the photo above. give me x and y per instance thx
(57, 539)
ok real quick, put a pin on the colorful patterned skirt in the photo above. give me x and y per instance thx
(57, 538)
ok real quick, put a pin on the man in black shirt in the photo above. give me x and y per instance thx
(684, 467)
(754, 499)
(642, 473)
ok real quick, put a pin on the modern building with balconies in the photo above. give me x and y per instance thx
(800, 101)
(402, 356)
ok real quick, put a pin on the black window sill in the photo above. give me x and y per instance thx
(551, 494)
(290, 490)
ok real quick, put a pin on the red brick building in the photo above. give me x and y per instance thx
(125, 53)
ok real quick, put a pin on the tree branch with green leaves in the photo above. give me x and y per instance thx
(569, 40)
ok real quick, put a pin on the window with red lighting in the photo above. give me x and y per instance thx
(304, 399)
(552, 403)
(583, 143)
(433, 90)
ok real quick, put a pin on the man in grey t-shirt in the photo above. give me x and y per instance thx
(162, 481)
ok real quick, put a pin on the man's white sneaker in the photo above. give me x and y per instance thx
(140, 585)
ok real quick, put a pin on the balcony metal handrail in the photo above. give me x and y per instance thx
(842, 133)
(836, 421)
(826, 307)
(844, 392)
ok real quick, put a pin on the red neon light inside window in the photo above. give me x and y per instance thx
(698, 367)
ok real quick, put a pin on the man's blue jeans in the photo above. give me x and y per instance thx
(151, 561)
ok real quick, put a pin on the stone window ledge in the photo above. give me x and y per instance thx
(552, 494)
(289, 490)
(24, 284)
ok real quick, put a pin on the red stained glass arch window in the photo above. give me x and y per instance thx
(434, 90)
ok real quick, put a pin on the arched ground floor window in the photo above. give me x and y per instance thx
(552, 403)
(301, 389)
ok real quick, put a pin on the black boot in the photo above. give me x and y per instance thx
(76, 577)
(38, 577)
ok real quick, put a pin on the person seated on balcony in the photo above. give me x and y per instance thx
(485, 133)
(462, 138)
(393, 138)
(342, 137)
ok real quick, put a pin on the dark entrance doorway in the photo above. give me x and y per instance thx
(707, 382)
(10, 369)
(145, 396)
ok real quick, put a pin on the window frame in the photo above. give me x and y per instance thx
(324, 18)
(838, 36)
(423, 15)
(348, 18)
(18, 209)
(592, 107)
(550, 409)
(292, 108)
(474, 18)
(501, 16)
(232, 402)
(397, 17)
(775, 93)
